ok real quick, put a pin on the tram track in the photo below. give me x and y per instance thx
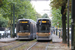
(38, 46)
(32, 45)
(24, 46)
(11, 45)
(3, 44)
(47, 46)
(18, 45)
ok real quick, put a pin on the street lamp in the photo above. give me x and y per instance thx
(68, 22)
(13, 20)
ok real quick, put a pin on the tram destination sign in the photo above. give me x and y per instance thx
(44, 21)
(23, 21)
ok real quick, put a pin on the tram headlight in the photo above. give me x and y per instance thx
(49, 33)
(29, 34)
(18, 34)
(37, 33)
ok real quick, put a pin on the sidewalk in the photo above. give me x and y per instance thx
(57, 44)
(56, 38)
(7, 39)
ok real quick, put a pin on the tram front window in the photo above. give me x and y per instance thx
(43, 28)
(24, 28)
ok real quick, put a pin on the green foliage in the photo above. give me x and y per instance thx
(3, 21)
(56, 17)
(38, 15)
(56, 8)
(63, 5)
(23, 9)
(58, 3)
(1, 3)
(45, 16)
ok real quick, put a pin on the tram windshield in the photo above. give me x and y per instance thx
(43, 28)
(24, 28)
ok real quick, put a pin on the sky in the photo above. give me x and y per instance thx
(42, 7)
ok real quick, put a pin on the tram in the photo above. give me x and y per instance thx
(26, 29)
(43, 29)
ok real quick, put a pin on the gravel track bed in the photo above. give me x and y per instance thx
(10, 46)
(25, 46)
(39, 46)
(5, 44)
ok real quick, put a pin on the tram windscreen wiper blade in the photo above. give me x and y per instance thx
(40, 22)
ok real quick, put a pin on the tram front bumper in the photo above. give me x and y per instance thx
(23, 37)
(43, 38)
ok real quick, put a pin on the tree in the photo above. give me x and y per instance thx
(61, 4)
(38, 15)
(1, 3)
(23, 9)
(56, 17)
(56, 14)
(73, 26)
(3, 22)
(45, 16)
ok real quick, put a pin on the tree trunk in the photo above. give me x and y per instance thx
(11, 20)
(11, 26)
(73, 25)
(63, 12)
(64, 28)
(73, 31)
